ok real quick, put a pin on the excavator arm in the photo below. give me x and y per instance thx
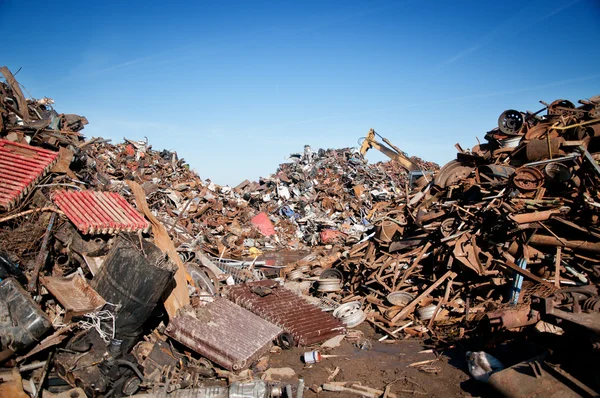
(389, 150)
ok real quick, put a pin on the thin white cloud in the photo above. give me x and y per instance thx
(544, 86)
(166, 56)
(507, 28)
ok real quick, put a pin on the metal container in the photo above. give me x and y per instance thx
(541, 149)
(311, 357)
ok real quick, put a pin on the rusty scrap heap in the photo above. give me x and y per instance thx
(314, 191)
(510, 221)
(123, 271)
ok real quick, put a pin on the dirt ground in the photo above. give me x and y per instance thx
(382, 364)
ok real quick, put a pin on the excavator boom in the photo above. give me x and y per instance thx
(389, 150)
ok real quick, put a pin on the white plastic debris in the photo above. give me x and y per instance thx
(482, 365)
(283, 192)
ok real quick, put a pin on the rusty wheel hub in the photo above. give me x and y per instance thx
(528, 178)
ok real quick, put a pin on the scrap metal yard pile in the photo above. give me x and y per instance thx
(123, 272)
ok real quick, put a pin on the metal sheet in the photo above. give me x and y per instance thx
(100, 212)
(21, 167)
(225, 333)
(304, 321)
(74, 294)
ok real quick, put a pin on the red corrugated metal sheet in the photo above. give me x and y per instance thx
(304, 321)
(99, 212)
(21, 166)
(225, 333)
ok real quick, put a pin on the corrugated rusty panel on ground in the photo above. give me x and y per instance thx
(225, 333)
(99, 212)
(21, 166)
(304, 321)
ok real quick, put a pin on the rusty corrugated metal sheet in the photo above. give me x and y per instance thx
(304, 321)
(21, 166)
(225, 333)
(99, 212)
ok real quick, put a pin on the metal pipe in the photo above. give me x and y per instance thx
(40, 260)
(555, 160)
(300, 391)
(544, 240)
(38, 393)
(32, 366)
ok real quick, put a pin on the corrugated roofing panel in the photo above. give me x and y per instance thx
(21, 167)
(99, 212)
(304, 321)
(225, 333)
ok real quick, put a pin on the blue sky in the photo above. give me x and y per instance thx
(234, 87)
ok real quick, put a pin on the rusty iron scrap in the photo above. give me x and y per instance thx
(154, 280)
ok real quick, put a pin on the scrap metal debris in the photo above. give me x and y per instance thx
(21, 166)
(306, 323)
(504, 237)
(100, 212)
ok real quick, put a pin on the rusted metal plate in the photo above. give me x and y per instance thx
(100, 212)
(21, 167)
(74, 293)
(304, 321)
(225, 333)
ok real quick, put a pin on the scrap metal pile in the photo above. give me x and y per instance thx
(314, 191)
(501, 232)
(123, 271)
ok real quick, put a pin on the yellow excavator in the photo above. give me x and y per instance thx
(394, 153)
(391, 151)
